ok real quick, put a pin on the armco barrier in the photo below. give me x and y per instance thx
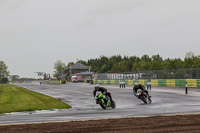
(198, 83)
(154, 82)
(161, 82)
(170, 83)
(180, 83)
(195, 83)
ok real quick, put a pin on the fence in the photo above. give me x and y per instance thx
(183, 73)
(195, 83)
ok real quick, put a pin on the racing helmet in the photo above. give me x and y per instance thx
(136, 85)
(96, 87)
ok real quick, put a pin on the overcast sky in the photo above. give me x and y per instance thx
(34, 34)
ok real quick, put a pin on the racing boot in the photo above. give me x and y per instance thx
(111, 101)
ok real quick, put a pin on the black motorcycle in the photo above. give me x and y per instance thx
(143, 96)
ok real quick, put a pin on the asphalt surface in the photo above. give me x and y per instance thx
(80, 97)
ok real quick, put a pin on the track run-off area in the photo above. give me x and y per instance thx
(80, 96)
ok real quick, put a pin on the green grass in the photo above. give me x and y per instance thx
(17, 99)
(53, 82)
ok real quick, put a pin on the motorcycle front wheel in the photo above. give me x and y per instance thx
(144, 99)
(150, 101)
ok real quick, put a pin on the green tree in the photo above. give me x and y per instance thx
(82, 62)
(70, 63)
(4, 73)
(196, 62)
(120, 67)
(60, 68)
(155, 65)
(189, 58)
(132, 60)
(146, 58)
(103, 69)
(14, 78)
(189, 54)
(111, 62)
(103, 60)
(142, 65)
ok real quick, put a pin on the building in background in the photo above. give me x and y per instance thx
(75, 69)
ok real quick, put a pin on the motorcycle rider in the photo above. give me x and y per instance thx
(40, 82)
(104, 91)
(139, 86)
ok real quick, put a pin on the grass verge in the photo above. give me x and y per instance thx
(53, 82)
(17, 99)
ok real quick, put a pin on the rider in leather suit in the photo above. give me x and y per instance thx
(103, 90)
(139, 86)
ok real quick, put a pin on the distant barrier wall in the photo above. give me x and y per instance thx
(195, 83)
(55, 82)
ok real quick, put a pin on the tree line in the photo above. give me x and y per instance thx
(117, 63)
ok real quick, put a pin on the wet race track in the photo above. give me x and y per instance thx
(80, 97)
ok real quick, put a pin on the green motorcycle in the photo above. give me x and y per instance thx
(104, 101)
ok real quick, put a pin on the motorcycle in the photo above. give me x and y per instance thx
(104, 101)
(143, 96)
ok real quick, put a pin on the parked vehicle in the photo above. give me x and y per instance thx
(76, 79)
(79, 79)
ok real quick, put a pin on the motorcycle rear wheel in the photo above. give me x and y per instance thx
(113, 104)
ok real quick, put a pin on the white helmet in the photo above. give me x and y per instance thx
(136, 84)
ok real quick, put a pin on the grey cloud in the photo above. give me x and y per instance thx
(101, 8)
(12, 5)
